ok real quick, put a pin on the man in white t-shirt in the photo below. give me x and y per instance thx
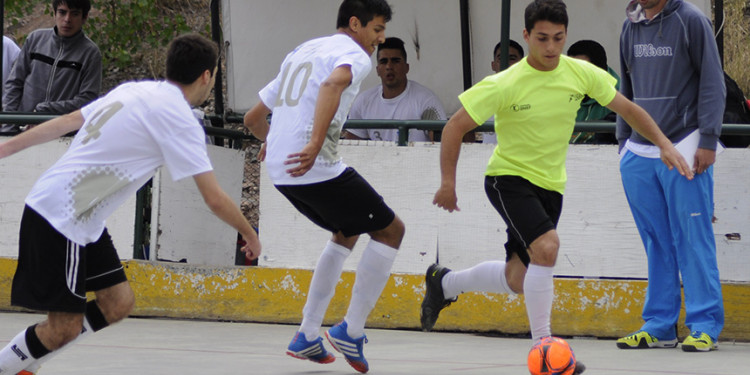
(396, 98)
(123, 138)
(10, 52)
(310, 99)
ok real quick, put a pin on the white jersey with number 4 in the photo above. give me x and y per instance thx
(127, 135)
(292, 96)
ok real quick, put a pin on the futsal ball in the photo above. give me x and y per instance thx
(551, 356)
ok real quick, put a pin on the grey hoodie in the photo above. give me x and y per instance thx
(54, 74)
(670, 66)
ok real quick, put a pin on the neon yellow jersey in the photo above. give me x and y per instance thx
(535, 113)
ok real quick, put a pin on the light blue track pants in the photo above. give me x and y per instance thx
(673, 216)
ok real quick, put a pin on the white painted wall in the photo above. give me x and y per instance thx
(260, 33)
(18, 174)
(187, 228)
(597, 232)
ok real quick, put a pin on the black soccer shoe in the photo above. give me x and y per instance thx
(580, 368)
(434, 299)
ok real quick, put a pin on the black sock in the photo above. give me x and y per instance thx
(95, 316)
(36, 348)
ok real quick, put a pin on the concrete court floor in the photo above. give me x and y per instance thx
(161, 346)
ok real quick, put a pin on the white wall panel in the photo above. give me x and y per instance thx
(597, 233)
(183, 227)
(186, 227)
(19, 172)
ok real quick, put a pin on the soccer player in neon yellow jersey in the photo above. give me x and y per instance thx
(534, 103)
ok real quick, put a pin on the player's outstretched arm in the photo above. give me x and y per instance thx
(450, 148)
(225, 209)
(45, 132)
(642, 122)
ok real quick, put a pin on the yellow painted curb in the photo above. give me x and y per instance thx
(582, 307)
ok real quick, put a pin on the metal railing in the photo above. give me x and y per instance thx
(589, 126)
(31, 118)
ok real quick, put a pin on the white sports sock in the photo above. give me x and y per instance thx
(33, 367)
(322, 287)
(484, 277)
(539, 290)
(15, 356)
(373, 272)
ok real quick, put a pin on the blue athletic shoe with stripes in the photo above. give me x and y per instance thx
(349, 347)
(310, 350)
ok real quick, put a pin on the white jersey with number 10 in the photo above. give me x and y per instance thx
(292, 96)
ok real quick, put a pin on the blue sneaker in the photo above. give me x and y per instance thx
(349, 347)
(312, 351)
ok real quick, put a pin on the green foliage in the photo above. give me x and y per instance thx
(122, 28)
(16, 10)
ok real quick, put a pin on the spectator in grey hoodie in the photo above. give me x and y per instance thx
(59, 70)
(670, 66)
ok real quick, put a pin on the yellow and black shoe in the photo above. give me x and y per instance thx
(644, 340)
(699, 342)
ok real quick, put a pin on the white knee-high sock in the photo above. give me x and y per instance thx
(539, 290)
(30, 351)
(15, 356)
(484, 277)
(373, 271)
(322, 287)
(33, 367)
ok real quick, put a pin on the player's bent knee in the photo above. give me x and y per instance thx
(543, 251)
(399, 228)
(392, 234)
(544, 258)
(127, 304)
(124, 306)
(116, 302)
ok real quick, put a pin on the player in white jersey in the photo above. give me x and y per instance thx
(123, 138)
(396, 98)
(310, 99)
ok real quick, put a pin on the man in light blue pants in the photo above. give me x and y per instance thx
(671, 68)
(685, 245)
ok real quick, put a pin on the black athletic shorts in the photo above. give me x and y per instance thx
(528, 211)
(346, 203)
(55, 273)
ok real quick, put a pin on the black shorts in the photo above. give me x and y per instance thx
(346, 204)
(528, 211)
(55, 273)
